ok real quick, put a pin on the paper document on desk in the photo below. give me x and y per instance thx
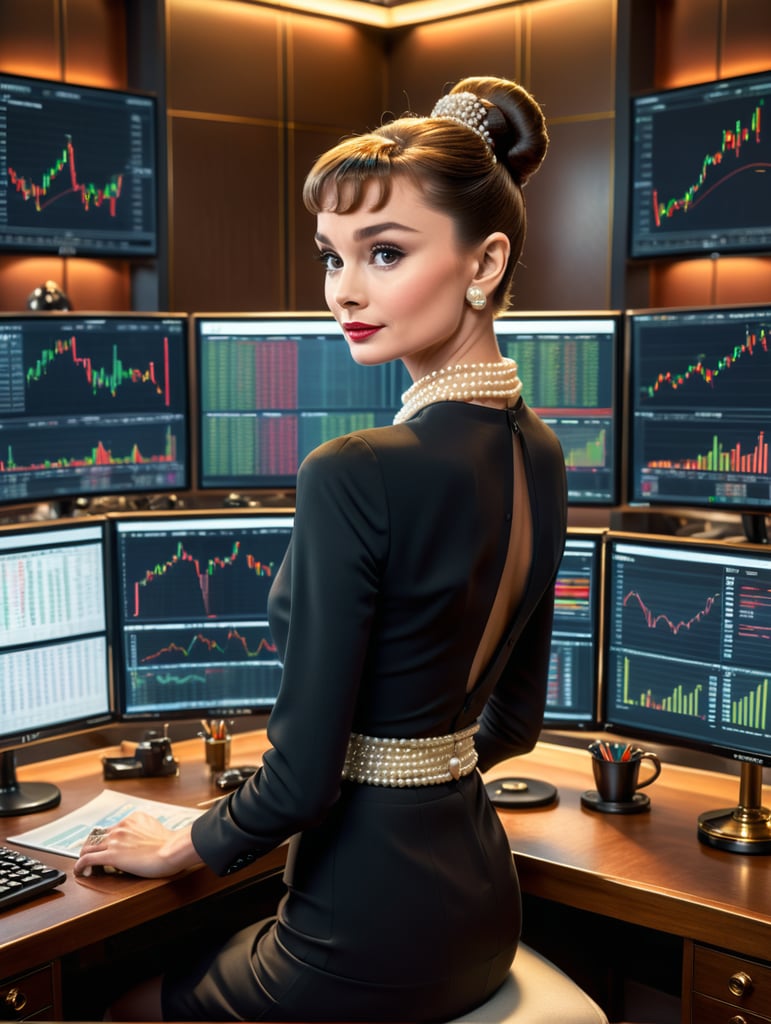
(67, 834)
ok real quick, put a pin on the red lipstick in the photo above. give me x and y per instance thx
(360, 332)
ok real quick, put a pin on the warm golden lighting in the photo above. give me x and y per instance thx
(414, 12)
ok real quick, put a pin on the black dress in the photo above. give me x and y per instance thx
(402, 904)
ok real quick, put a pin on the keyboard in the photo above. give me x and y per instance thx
(24, 878)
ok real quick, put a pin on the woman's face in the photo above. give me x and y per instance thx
(396, 280)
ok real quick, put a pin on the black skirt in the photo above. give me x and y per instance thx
(403, 904)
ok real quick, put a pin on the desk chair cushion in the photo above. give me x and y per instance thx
(536, 992)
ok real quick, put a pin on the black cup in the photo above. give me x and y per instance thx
(618, 781)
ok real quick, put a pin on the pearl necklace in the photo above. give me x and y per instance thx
(461, 383)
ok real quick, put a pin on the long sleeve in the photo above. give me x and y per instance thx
(327, 591)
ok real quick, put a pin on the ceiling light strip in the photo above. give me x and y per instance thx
(414, 12)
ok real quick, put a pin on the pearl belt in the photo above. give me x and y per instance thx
(423, 761)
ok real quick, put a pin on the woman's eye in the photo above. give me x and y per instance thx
(386, 255)
(330, 261)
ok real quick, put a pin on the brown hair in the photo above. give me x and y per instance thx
(450, 164)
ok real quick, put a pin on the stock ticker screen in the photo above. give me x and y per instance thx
(78, 172)
(700, 161)
(193, 634)
(687, 645)
(271, 389)
(700, 382)
(92, 405)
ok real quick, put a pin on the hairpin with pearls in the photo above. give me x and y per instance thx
(466, 109)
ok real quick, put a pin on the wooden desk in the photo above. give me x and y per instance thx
(651, 870)
(645, 869)
(84, 911)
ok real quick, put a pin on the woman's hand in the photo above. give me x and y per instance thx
(140, 845)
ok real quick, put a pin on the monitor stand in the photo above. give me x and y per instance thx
(742, 829)
(23, 797)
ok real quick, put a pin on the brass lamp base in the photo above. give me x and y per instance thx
(742, 829)
(737, 829)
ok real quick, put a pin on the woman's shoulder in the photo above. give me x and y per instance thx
(344, 453)
(350, 464)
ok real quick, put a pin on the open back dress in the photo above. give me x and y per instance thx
(415, 599)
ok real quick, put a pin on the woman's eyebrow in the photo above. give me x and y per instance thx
(373, 229)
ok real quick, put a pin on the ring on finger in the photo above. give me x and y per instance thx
(95, 836)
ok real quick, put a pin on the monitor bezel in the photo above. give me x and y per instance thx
(109, 248)
(270, 492)
(718, 246)
(181, 516)
(67, 502)
(663, 738)
(14, 740)
(752, 514)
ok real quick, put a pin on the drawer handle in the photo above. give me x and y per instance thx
(740, 984)
(15, 999)
(738, 1019)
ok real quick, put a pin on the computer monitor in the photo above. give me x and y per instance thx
(687, 630)
(700, 408)
(272, 387)
(569, 364)
(572, 700)
(54, 645)
(92, 404)
(78, 167)
(699, 169)
(192, 636)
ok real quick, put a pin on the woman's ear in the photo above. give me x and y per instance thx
(492, 260)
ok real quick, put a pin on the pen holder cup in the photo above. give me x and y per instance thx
(618, 781)
(217, 753)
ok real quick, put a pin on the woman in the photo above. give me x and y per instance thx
(413, 610)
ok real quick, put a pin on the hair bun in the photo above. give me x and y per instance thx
(515, 122)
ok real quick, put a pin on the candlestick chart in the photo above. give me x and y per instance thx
(193, 598)
(78, 167)
(739, 148)
(100, 374)
(92, 404)
(700, 162)
(683, 363)
(700, 411)
(200, 577)
(60, 180)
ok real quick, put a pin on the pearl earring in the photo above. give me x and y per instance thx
(475, 297)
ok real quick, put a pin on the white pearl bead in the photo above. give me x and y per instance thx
(461, 383)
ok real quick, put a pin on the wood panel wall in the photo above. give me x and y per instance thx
(563, 52)
(253, 94)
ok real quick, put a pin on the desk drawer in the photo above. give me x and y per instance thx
(737, 983)
(28, 995)
(713, 1011)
